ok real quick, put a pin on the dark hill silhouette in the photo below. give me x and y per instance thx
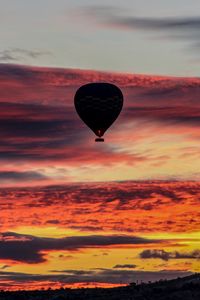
(185, 288)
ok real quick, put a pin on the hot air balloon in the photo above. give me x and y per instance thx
(98, 105)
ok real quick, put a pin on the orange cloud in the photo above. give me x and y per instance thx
(127, 207)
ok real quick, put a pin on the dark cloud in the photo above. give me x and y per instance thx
(169, 23)
(35, 132)
(127, 266)
(155, 254)
(175, 115)
(21, 176)
(29, 249)
(4, 267)
(18, 54)
(100, 276)
(32, 131)
(114, 16)
(183, 27)
(54, 222)
(87, 228)
(74, 272)
(6, 56)
(164, 255)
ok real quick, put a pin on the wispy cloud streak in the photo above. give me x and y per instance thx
(18, 54)
(183, 28)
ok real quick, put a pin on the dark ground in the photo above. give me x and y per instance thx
(181, 288)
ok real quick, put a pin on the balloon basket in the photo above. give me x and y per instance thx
(99, 140)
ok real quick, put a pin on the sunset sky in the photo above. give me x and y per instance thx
(78, 213)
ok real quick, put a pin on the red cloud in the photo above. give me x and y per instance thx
(39, 124)
(57, 86)
(129, 207)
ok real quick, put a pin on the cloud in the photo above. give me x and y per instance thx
(40, 126)
(171, 115)
(183, 27)
(87, 276)
(46, 133)
(37, 132)
(164, 255)
(30, 249)
(4, 267)
(18, 54)
(21, 176)
(54, 222)
(74, 272)
(108, 207)
(126, 266)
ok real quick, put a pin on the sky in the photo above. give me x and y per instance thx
(78, 213)
(140, 36)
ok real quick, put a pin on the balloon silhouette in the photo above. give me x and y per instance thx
(98, 105)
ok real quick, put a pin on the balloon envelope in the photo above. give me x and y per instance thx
(98, 105)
